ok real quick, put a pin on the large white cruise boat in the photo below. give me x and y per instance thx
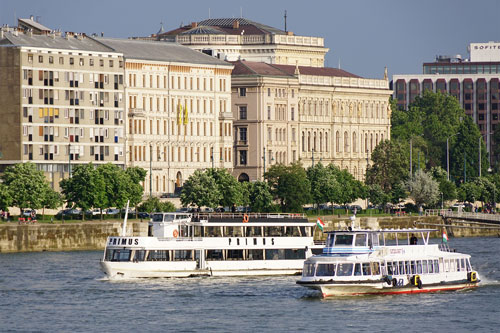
(358, 262)
(183, 245)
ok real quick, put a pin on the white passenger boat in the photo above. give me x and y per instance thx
(359, 262)
(182, 245)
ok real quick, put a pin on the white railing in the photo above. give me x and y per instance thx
(436, 212)
(472, 216)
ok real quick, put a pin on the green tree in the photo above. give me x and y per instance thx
(117, 185)
(200, 190)
(137, 176)
(317, 176)
(469, 192)
(260, 196)
(464, 155)
(377, 196)
(85, 189)
(51, 200)
(486, 189)
(154, 204)
(390, 167)
(423, 189)
(350, 189)
(229, 188)
(446, 187)
(26, 184)
(5, 197)
(290, 185)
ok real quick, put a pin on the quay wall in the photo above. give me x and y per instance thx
(63, 237)
(93, 235)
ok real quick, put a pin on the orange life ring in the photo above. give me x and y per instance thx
(176, 233)
(245, 218)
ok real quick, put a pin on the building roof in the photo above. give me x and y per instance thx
(242, 67)
(53, 41)
(33, 24)
(228, 26)
(202, 30)
(159, 51)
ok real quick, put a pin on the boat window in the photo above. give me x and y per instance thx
(183, 255)
(357, 269)
(214, 255)
(213, 232)
(390, 269)
(464, 266)
(295, 254)
(308, 270)
(292, 231)
(157, 217)
(108, 255)
(253, 231)
(233, 232)
(341, 239)
(375, 239)
(431, 266)
(419, 266)
(305, 231)
(344, 269)
(170, 217)
(121, 255)
(255, 254)
(367, 269)
(375, 268)
(273, 231)
(197, 231)
(329, 240)
(446, 265)
(413, 267)
(139, 255)
(469, 268)
(408, 268)
(275, 254)
(234, 254)
(325, 270)
(424, 267)
(360, 240)
(159, 255)
(401, 267)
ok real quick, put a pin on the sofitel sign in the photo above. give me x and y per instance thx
(484, 52)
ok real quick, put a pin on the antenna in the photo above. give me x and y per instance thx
(285, 21)
(241, 12)
(209, 12)
(339, 63)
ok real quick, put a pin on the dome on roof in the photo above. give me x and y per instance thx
(202, 30)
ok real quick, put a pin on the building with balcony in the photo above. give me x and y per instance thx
(475, 82)
(61, 102)
(178, 104)
(286, 113)
(233, 39)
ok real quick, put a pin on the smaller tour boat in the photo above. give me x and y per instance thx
(389, 261)
(217, 244)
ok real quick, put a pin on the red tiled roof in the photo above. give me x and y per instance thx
(242, 67)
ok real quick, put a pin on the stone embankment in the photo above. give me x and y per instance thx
(93, 235)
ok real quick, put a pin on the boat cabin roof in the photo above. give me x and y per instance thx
(379, 231)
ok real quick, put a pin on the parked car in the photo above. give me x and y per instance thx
(143, 215)
(28, 212)
(68, 213)
(112, 211)
(93, 212)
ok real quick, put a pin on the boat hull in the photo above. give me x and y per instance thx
(333, 290)
(120, 270)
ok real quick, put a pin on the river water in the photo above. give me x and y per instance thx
(66, 292)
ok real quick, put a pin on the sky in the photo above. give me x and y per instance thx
(363, 36)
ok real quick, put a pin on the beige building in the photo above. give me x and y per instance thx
(178, 104)
(285, 113)
(233, 39)
(61, 102)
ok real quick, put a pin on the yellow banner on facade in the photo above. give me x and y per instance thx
(179, 115)
(185, 115)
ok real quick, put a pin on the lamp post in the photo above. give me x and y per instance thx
(150, 170)
(212, 156)
(69, 160)
(448, 155)
(479, 158)
(411, 161)
(264, 158)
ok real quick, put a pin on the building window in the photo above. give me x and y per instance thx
(268, 92)
(243, 157)
(292, 113)
(268, 112)
(243, 92)
(40, 59)
(243, 134)
(243, 112)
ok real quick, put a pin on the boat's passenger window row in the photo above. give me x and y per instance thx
(250, 231)
(342, 269)
(353, 240)
(118, 255)
(457, 265)
(412, 267)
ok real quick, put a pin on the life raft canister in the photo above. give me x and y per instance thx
(176, 233)
(416, 281)
(245, 218)
(472, 276)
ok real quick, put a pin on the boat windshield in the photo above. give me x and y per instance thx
(341, 239)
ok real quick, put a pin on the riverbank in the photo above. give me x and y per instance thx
(92, 235)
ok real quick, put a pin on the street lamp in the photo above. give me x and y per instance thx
(479, 148)
(448, 155)
(264, 158)
(150, 170)
(69, 160)
(212, 156)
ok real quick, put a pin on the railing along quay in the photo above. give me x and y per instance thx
(492, 218)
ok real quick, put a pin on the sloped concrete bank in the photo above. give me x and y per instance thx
(93, 235)
(63, 237)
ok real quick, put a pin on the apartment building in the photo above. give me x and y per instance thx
(178, 104)
(61, 101)
(475, 82)
(287, 113)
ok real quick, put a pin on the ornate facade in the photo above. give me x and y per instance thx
(312, 114)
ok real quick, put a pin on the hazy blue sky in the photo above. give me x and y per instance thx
(365, 35)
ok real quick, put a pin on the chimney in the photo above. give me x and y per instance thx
(289, 33)
(1, 33)
(194, 24)
(236, 24)
(32, 17)
(30, 32)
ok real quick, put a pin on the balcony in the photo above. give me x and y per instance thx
(136, 113)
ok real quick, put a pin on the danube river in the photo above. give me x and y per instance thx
(66, 292)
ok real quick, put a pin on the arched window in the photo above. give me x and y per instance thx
(308, 141)
(303, 141)
(382, 137)
(337, 142)
(355, 172)
(346, 142)
(371, 143)
(354, 143)
(314, 143)
(326, 142)
(243, 178)
(320, 141)
(376, 139)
